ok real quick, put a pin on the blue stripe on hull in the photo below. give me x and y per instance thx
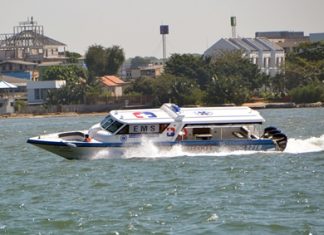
(84, 150)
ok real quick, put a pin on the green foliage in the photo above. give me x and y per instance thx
(95, 60)
(227, 90)
(310, 93)
(310, 51)
(69, 73)
(115, 57)
(235, 79)
(74, 90)
(192, 67)
(233, 64)
(305, 66)
(179, 90)
(191, 79)
(72, 57)
(103, 61)
(167, 88)
(20, 105)
(142, 86)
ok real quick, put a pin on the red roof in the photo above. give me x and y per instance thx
(112, 81)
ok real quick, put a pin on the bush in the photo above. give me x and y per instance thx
(310, 93)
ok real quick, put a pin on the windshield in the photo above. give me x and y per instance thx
(106, 122)
(110, 124)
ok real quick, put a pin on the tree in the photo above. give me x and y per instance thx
(193, 67)
(95, 59)
(69, 73)
(310, 51)
(103, 61)
(115, 57)
(179, 90)
(235, 79)
(167, 88)
(312, 92)
(305, 66)
(72, 57)
(226, 90)
(233, 64)
(75, 87)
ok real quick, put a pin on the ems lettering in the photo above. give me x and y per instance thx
(143, 129)
(135, 129)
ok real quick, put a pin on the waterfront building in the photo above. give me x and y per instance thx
(19, 69)
(285, 39)
(37, 92)
(150, 71)
(113, 85)
(316, 37)
(29, 43)
(269, 57)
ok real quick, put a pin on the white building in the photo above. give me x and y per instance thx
(267, 55)
(7, 105)
(37, 91)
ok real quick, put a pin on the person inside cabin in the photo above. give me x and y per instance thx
(87, 138)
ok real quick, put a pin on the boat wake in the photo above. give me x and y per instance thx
(312, 144)
(149, 151)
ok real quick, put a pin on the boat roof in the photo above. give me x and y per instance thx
(169, 113)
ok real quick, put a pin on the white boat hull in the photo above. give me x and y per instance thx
(82, 150)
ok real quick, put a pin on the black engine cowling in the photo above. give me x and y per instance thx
(277, 136)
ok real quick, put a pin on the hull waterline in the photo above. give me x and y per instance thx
(84, 151)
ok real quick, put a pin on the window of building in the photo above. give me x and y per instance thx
(37, 94)
(40, 94)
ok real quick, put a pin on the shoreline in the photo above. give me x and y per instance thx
(255, 105)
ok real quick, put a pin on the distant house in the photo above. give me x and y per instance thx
(18, 69)
(37, 91)
(268, 56)
(20, 83)
(113, 84)
(28, 43)
(285, 39)
(316, 37)
(151, 71)
(7, 105)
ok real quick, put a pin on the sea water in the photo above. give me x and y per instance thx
(175, 192)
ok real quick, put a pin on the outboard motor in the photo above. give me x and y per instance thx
(277, 136)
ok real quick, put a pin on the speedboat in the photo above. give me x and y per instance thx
(197, 129)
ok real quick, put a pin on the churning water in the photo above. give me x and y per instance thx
(175, 192)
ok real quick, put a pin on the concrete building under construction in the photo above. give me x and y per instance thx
(28, 43)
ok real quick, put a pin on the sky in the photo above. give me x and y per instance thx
(194, 25)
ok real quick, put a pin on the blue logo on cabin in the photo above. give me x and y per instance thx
(203, 113)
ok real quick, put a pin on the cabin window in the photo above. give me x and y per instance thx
(124, 130)
(200, 131)
(106, 122)
(110, 124)
(114, 126)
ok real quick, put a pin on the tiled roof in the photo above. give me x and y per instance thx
(112, 81)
